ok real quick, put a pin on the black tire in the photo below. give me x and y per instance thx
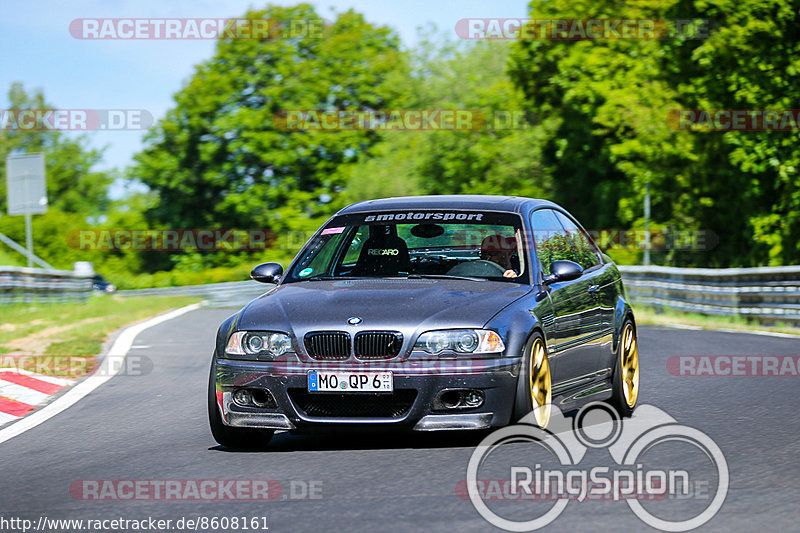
(524, 401)
(622, 398)
(228, 436)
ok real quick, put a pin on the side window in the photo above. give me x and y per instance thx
(586, 254)
(551, 240)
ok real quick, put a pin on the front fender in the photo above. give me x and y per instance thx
(517, 322)
(224, 332)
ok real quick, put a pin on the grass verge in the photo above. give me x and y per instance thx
(655, 316)
(62, 339)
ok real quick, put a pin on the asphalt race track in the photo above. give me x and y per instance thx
(154, 427)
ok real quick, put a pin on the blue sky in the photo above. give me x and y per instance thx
(39, 51)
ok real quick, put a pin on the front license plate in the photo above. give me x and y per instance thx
(350, 381)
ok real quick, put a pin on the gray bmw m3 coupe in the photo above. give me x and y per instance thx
(427, 313)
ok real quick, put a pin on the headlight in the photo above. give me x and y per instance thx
(258, 343)
(460, 341)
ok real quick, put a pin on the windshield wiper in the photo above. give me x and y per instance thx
(337, 278)
(443, 276)
(409, 276)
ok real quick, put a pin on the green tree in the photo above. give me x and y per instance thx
(612, 99)
(752, 61)
(219, 159)
(500, 156)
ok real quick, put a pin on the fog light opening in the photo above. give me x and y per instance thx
(472, 398)
(459, 399)
(262, 398)
(243, 397)
(451, 399)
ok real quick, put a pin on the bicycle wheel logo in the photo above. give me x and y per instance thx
(631, 444)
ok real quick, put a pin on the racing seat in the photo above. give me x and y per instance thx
(383, 254)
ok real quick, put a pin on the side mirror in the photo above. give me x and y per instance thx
(267, 273)
(563, 271)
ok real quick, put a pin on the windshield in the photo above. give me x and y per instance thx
(470, 245)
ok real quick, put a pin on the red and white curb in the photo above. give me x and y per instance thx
(22, 391)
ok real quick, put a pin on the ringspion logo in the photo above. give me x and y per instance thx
(541, 479)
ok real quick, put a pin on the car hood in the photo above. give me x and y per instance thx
(388, 304)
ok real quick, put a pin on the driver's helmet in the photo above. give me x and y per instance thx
(494, 247)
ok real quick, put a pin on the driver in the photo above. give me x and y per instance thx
(498, 249)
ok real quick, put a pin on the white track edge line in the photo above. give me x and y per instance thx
(730, 330)
(120, 348)
(682, 326)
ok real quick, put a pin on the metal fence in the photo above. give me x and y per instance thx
(228, 294)
(767, 294)
(29, 285)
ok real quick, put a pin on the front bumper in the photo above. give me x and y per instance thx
(420, 382)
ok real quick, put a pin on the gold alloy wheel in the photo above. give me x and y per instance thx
(540, 383)
(630, 366)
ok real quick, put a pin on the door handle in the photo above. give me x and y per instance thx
(593, 289)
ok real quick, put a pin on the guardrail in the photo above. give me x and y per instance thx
(230, 293)
(28, 285)
(767, 294)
